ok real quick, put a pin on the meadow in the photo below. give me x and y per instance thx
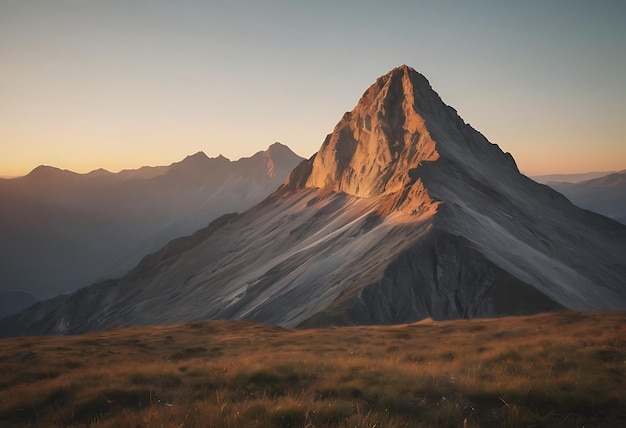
(563, 369)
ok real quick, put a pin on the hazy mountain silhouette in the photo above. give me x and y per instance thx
(405, 212)
(12, 302)
(570, 178)
(605, 195)
(60, 230)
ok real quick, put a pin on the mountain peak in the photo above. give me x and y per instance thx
(277, 145)
(200, 160)
(404, 84)
(399, 125)
(277, 155)
(46, 171)
(197, 156)
(375, 146)
(280, 153)
(100, 172)
(279, 149)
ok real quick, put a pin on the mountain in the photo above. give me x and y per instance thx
(605, 195)
(12, 302)
(405, 212)
(60, 230)
(570, 178)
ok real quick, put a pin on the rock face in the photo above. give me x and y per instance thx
(406, 212)
(373, 147)
(60, 230)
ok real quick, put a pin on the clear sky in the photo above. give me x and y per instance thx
(120, 84)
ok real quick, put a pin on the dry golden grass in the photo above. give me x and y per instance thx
(564, 369)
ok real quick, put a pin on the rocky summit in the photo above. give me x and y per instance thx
(405, 212)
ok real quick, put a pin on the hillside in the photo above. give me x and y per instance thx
(558, 370)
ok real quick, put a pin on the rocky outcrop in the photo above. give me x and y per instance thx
(372, 148)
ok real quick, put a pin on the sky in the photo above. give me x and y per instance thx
(120, 84)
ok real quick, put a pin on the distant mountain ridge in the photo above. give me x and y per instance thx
(605, 195)
(12, 302)
(60, 230)
(571, 178)
(405, 212)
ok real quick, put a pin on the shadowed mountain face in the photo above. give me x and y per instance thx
(406, 212)
(60, 230)
(605, 195)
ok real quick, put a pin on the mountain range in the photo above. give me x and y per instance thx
(405, 212)
(570, 178)
(60, 230)
(605, 195)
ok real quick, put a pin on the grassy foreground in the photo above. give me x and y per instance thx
(564, 369)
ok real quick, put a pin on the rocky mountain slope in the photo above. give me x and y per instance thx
(406, 212)
(605, 195)
(60, 230)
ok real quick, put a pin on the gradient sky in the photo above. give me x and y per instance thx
(120, 84)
